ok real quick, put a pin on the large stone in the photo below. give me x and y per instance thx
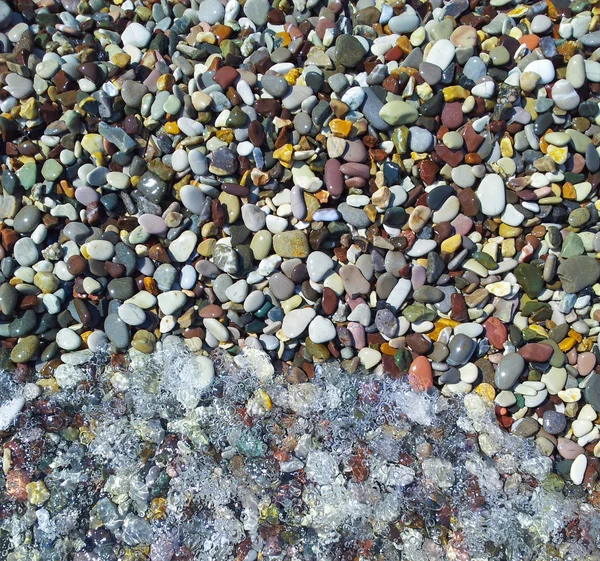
(577, 273)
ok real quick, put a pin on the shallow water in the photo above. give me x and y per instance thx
(172, 462)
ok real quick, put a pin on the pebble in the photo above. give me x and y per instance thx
(509, 369)
(296, 322)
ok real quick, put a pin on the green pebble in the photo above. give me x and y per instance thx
(26, 349)
(163, 171)
(50, 352)
(418, 312)
(579, 217)
(146, 104)
(534, 376)
(543, 314)
(316, 350)
(529, 336)
(70, 433)
(558, 333)
(397, 112)
(159, 43)
(5, 363)
(530, 279)
(237, 118)
(402, 359)
(515, 335)
(486, 260)
(51, 170)
(255, 326)
(263, 310)
(172, 105)
(552, 483)
(520, 401)
(27, 175)
(532, 307)
(228, 47)
(499, 56)
(400, 139)
(572, 246)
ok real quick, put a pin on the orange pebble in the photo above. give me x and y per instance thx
(531, 41)
(420, 376)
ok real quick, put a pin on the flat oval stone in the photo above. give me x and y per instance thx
(27, 219)
(117, 331)
(536, 352)
(508, 371)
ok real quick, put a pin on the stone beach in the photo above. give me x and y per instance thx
(263, 261)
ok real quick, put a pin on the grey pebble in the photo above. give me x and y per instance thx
(508, 371)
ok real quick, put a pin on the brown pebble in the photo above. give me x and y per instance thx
(418, 343)
(210, 311)
(76, 265)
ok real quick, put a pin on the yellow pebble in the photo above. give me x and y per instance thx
(519, 11)
(285, 38)
(486, 391)
(439, 325)
(291, 303)
(37, 492)
(29, 109)
(340, 127)
(586, 344)
(404, 44)
(453, 93)
(566, 344)
(568, 191)
(515, 33)
(451, 244)
(506, 147)
(85, 435)
(558, 153)
(538, 329)
(263, 399)
(171, 128)
(292, 76)
(507, 231)
(165, 82)
(424, 91)
(530, 107)
(225, 135)
(284, 154)
(577, 336)
(121, 60)
(206, 37)
(508, 248)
